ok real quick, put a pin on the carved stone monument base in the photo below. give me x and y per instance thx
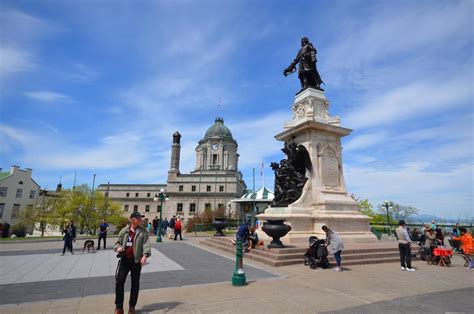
(324, 200)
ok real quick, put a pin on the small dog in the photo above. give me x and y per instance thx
(89, 244)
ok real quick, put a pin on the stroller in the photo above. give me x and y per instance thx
(317, 254)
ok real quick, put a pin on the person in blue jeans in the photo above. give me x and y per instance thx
(103, 228)
(334, 241)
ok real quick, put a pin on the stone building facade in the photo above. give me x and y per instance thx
(17, 192)
(213, 183)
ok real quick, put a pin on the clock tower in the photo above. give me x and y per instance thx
(217, 150)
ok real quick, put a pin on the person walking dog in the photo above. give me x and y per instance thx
(133, 248)
(404, 246)
(69, 235)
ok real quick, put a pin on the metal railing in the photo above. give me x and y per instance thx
(383, 228)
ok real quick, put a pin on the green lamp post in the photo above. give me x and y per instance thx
(387, 206)
(161, 197)
(238, 278)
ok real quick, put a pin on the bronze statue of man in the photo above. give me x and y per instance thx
(307, 72)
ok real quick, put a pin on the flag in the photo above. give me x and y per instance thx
(261, 169)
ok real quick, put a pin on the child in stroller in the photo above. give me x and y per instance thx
(317, 254)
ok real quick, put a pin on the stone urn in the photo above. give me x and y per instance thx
(219, 224)
(276, 229)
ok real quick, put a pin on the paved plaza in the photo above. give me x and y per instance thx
(182, 277)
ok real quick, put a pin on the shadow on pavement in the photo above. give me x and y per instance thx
(166, 306)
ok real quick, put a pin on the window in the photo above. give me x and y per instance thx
(135, 208)
(181, 188)
(20, 183)
(32, 194)
(215, 159)
(179, 207)
(29, 207)
(158, 208)
(208, 188)
(207, 206)
(220, 206)
(221, 188)
(128, 194)
(193, 188)
(2, 207)
(16, 209)
(136, 194)
(148, 194)
(19, 192)
(147, 208)
(125, 208)
(3, 191)
(192, 208)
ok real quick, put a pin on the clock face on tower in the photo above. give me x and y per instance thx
(214, 146)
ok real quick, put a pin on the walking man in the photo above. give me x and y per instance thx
(104, 226)
(155, 225)
(404, 246)
(133, 246)
(177, 229)
(164, 226)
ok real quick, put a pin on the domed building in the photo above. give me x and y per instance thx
(213, 183)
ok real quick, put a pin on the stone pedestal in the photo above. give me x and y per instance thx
(324, 200)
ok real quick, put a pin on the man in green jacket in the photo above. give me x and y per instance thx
(133, 247)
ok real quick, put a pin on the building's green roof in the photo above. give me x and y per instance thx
(4, 174)
(218, 129)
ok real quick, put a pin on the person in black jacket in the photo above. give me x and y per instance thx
(69, 235)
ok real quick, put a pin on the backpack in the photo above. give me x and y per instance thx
(177, 225)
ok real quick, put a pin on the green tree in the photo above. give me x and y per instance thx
(397, 211)
(85, 209)
(37, 217)
(367, 209)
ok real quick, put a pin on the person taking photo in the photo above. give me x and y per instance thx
(133, 248)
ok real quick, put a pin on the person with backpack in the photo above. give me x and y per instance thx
(177, 229)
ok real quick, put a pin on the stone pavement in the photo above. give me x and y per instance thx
(381, 288)
(46, 275)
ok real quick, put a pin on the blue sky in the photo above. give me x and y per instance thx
(100, 86)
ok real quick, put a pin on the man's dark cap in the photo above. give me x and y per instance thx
(136, 215)
(401, 222)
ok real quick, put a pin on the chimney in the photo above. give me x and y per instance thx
(14, 169)
(175, 152)
(29, 171)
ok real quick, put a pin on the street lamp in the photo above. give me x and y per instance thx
(387, 205)
(161, 197)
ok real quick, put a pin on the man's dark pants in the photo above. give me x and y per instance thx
(405, 254)
(127, 265)
(176, 232)
(102, 236)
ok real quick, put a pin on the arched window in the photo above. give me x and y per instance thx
(21, 182)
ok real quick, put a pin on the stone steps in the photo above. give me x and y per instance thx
(356, 255)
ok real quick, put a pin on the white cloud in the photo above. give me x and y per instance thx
(365, 141)
(13, 60)
(447, 193)
(82, 73)
(413, 100)
(47, 96)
